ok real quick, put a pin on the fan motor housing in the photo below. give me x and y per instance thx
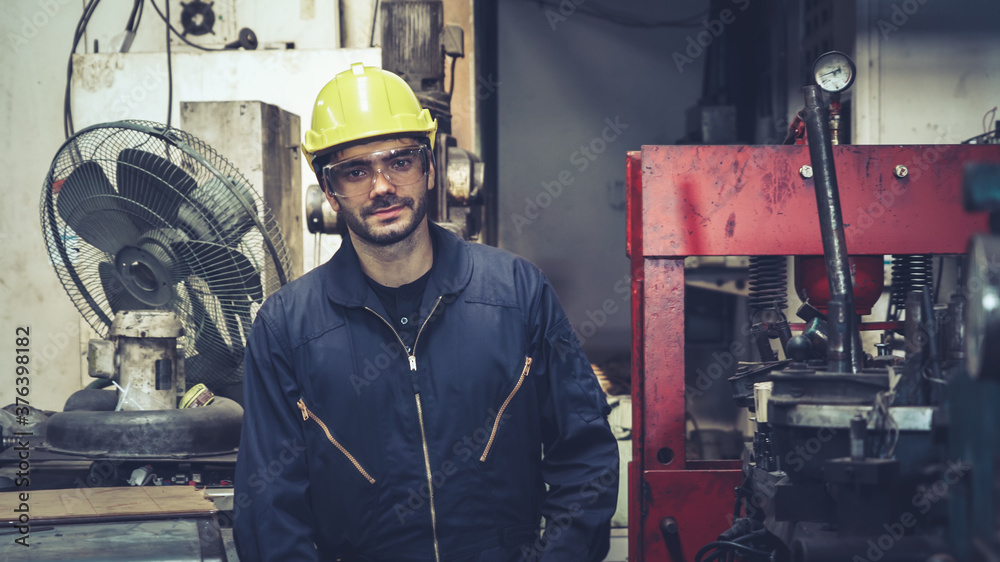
(147, 358)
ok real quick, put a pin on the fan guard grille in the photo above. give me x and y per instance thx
(137, 215)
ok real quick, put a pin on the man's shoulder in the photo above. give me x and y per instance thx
(303, 293)
(502, 277)
(496, 260)
(481, 253)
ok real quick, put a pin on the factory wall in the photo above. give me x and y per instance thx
(36, 42)
(929, 70)
(575, 94)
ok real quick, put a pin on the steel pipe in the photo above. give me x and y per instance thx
(831, 222)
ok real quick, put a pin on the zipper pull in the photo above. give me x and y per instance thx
(413, 362)
(303, 409)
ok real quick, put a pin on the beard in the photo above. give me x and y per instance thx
(385, 235)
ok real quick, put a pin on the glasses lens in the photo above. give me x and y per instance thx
(404, 167)
(356, 176)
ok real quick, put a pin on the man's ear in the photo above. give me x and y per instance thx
(430, 173)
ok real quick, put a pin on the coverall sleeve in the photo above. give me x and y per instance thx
(272, 512)
(580, 454)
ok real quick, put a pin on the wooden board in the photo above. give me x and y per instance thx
(98, 503)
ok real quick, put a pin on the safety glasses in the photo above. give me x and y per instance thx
(356, 176)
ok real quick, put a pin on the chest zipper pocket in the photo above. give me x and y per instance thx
(496, 423)
(306, 414)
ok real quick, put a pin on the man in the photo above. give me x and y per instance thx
(411, 398)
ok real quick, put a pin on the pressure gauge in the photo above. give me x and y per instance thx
(834, 71)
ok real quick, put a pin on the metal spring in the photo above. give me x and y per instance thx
(768, 283)
(910, 272)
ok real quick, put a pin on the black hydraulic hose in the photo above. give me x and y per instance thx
(831, 225)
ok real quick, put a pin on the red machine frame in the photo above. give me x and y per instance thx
(741, 201)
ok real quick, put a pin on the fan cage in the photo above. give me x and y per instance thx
(196, 240)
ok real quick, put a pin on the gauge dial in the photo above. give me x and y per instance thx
(834, 71)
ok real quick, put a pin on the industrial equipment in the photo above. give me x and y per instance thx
(871, 453)
(834, 72)
(167, 252)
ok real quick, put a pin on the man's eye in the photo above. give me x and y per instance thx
(402, 163)
(353, 174)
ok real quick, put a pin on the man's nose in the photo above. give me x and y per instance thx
(382, 184)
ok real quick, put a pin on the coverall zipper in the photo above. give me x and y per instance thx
(412, 357)
(306, 414)
(496, 424)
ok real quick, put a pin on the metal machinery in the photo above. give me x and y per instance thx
(857, 454)
(415, 41)
(168, 240)
(155, 237)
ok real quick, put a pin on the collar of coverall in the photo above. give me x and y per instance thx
(345, 281)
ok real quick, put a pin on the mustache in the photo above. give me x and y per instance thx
(386, 201)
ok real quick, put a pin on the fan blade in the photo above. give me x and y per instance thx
(213, 372)
(218, 214)
(230, 275)
(211, 347)
(114, 289)
(153, 182)
(232, 281)
(89, 205)
(160, 243)
(216, 363)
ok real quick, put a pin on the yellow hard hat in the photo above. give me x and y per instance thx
(360, 103)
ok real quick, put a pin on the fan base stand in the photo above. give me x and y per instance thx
(147, 434)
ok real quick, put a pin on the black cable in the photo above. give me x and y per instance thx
(179, 35)
(81, 27)
(374, 19)
(718, 556)
(67, 100)
(170, 70)
(451, 88)
(722, 546)
(722, 551)
(715, 556)
(138, 17)
(131, 17)
(760, 533)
